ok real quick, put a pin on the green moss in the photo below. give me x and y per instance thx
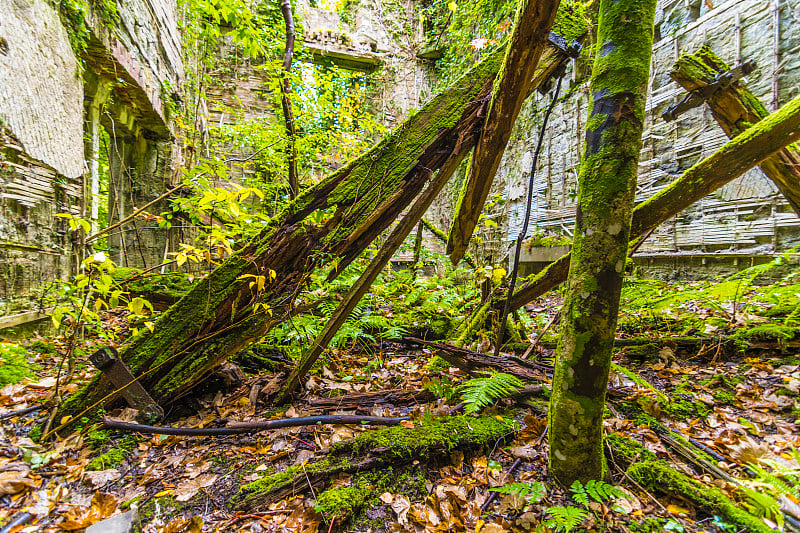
(437, 364)
(777, 332)
(395, 443)
(14, 364)
(625, 452)
(110, 459)
(43, 347)
(35, 433)
(427, 436)
(663, 477)
(346, 503)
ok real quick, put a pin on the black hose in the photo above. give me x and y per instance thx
(254, 427)
(522, 234)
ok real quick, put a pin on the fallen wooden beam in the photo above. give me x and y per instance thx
(737, 156)
(511, 88)
(476, 362)
(735, 108)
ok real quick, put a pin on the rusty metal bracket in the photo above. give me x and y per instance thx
(699, 96)
(572, 49)
(107, 361)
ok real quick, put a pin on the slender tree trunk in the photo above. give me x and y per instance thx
(607, 184)
(222, 313)
(286, 102)
(735, 108)
(415, 270)
(736, 157)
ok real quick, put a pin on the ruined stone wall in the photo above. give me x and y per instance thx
(748, 216)
(52, 107)
(41, 150)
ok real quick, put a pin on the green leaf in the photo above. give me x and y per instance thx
(480, 392)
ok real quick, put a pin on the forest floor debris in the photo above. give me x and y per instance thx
(738, 408)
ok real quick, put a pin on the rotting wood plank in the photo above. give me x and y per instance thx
(735, 108)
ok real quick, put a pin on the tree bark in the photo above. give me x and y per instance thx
(737, 156)
(735, 108)
(607, 185)
(286, 102)
(531, 29)
(222, 314)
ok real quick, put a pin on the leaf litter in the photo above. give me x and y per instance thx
(741, 407)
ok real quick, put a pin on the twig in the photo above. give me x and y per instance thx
(20, 519)
(102, 232)
(491, 498)
(237, 428)
(20, 412)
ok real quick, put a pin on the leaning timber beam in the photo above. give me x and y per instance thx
(527, 42)
(735, 108)
(256, 288)
(737, 156)
(522, 58)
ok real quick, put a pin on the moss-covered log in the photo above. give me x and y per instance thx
(476, 363)
(223, 313)
(607, 185)
(662, 477)
(527, 42)
(397, 445)
(735, 108)
(737, 156)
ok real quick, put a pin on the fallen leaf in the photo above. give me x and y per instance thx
(184, 491)
(101, 507)
(101, 477)
(14, 482)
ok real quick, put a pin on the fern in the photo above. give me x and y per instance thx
(598, 491)
(477, 393)
(565, 518)
(533, 492)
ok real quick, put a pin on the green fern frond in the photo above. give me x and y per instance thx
(598, 491)
(565, 518)
(533, 492)
(477, 393)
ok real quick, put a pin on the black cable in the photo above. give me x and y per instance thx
(254, 427)
(512, 285)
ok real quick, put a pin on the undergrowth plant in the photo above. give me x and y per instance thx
(478, 393)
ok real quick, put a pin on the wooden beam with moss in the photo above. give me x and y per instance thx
(607, 186)
(736, 157)
(425, 441)
(511, 87)
(333, 221)
(735, 109)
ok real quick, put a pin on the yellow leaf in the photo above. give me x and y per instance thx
(677, 509)
(162, 493)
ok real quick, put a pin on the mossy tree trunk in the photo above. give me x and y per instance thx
(735, 108)
(736, 157)
(224, 313)
(607, 184)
